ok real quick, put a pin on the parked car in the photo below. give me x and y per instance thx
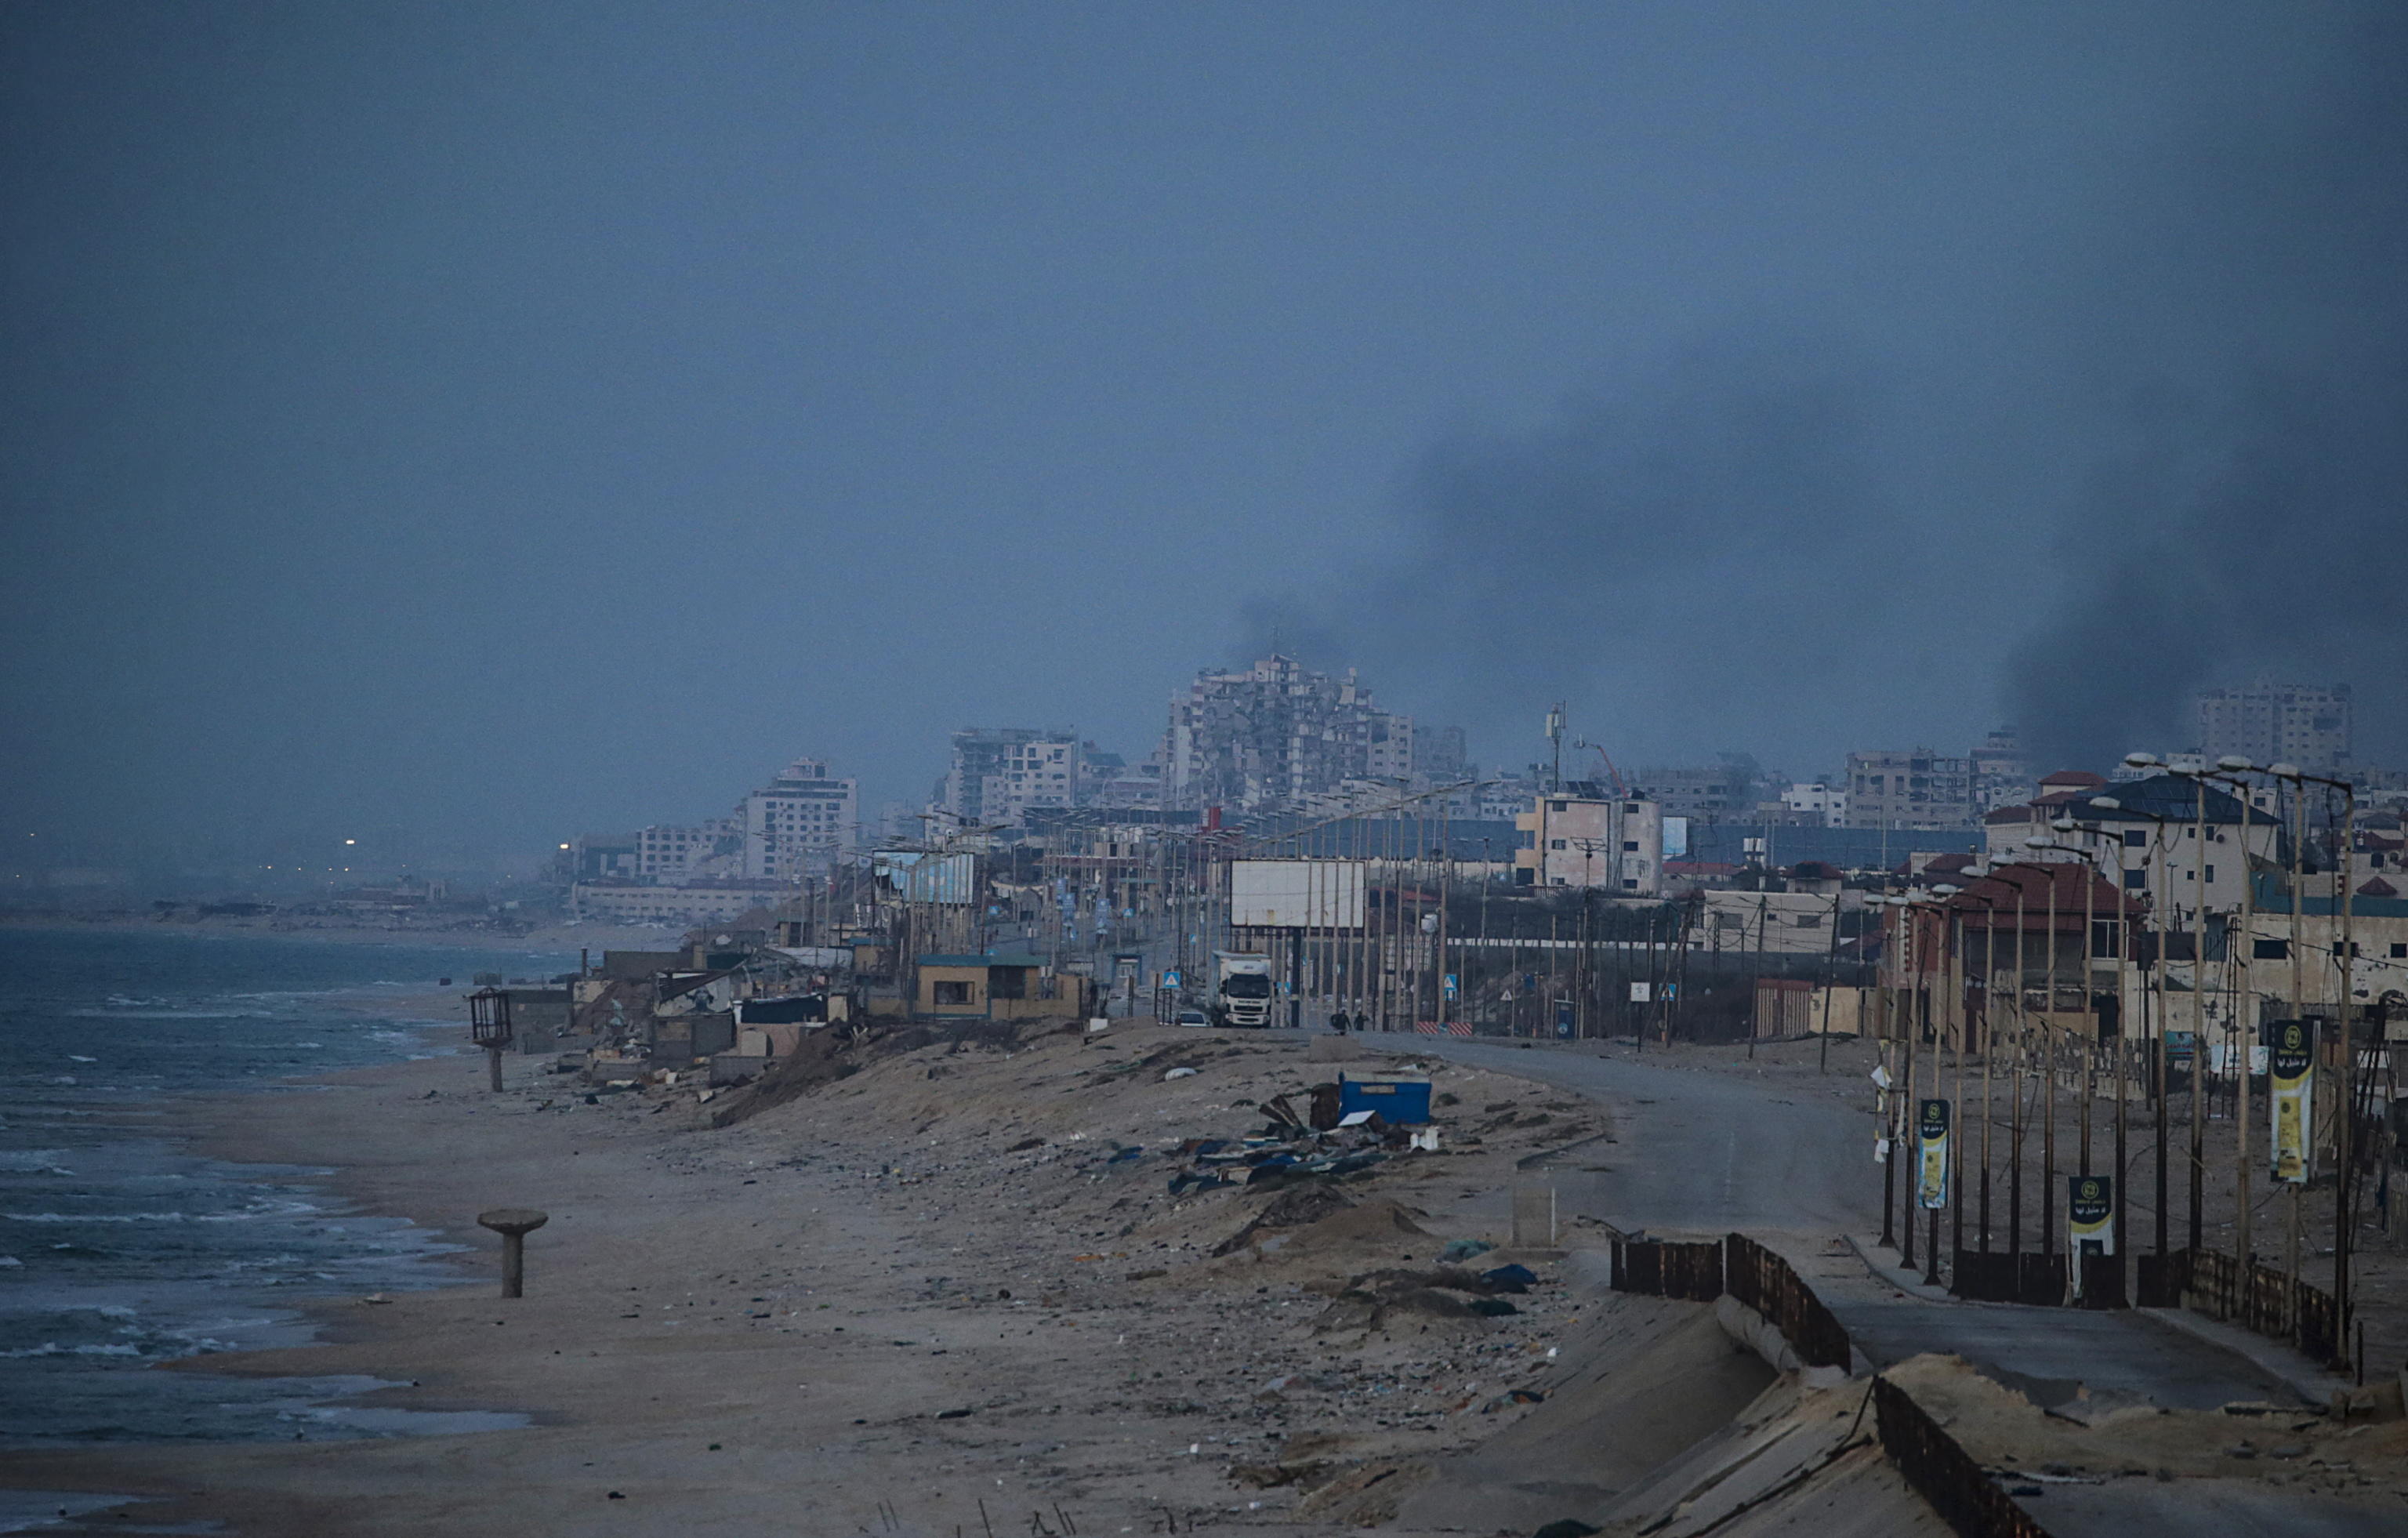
(1191, 1017)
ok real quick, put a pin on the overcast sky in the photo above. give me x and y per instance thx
(503, 420)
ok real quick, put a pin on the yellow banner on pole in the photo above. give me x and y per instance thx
(1931, 1143)
(2290, 1080)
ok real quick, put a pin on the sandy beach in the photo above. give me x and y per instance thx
(927, 1286)
(947, 1289)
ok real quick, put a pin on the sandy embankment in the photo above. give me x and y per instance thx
(926, 1284)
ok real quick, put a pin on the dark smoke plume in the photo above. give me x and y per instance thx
(1665, 555)
(2254, 305)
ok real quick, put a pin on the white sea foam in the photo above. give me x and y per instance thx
(249, 1214)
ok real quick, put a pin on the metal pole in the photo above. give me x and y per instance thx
(1912, 1124)
(2163, 910)
(2048, 1123)
(1830, 984)
(2023, 1072)
(2345, 1135)
(1989, 997)
(2199, 1028)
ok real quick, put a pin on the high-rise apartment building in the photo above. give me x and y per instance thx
(999, 772)
(798, 821)
(2277, 724)
(1275, 734)
(1917, 789)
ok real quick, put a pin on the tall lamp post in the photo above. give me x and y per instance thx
(2121, 1048)
(2198, 999)
(1952, 994)
(1989, 977)
(2091, 872)
(2158, 985)
(1899, 1091)
(2346, 956)
(2094, 865)
(1917, 1012)
(2245, 1024)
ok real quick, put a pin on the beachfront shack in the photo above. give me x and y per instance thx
(995, 987)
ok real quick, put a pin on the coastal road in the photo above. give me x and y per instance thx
(1707, 1152)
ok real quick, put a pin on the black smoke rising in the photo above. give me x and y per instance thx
(2251, 336)
(1683, 557)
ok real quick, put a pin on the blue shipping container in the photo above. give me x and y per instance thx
(1401, 1100)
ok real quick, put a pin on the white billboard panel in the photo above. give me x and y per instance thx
(1297, 894)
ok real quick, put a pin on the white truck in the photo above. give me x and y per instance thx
(1242, 989)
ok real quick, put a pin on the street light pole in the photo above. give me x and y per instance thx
(2157, 986)
(1887, 1099)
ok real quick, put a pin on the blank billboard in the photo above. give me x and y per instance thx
(1297, 894)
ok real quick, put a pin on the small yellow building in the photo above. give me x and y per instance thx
(995, 987)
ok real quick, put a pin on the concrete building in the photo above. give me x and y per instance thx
(1723, 793)
(1441, 755)
(2001, 774)
(623, 901)
(672, 855)
(1592, 840)
(2271, 723)
(997, 987)
(1505, 800)
(998, 772)
(2144, 857)
(1914, 789)
(1275, 734)
(800, 821)
(1113, 782)
(1769, 923)
(1819, 805)
(604, 857)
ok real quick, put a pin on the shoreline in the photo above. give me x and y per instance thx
(569, 936)
(730, 1327)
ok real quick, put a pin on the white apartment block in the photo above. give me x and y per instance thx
(1616, 843)
(798, 821)
(998, 772)
(1829, 804)
(674, 854)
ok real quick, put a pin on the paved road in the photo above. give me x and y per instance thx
(1706, 1152)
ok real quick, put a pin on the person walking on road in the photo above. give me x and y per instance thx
(1337, 1021)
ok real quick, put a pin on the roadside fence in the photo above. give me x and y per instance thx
(1941, 1472)
(1764, 1282)
(1658, 1268)
(1944, 1473)
(2260, 1298)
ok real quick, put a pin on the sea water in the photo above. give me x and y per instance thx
(121, 1248)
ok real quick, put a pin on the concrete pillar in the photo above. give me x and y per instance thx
(513, 1224)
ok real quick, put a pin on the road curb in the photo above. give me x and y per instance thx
(2278, 1361)
(1890, 1273)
